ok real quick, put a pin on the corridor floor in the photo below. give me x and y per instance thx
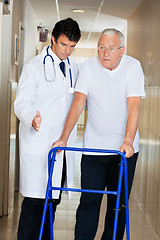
(140, 226)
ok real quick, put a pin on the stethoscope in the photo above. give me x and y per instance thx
(71, 90)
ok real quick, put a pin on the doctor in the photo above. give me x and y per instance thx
(44, 96)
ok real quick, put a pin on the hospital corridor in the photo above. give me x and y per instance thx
(25, 32)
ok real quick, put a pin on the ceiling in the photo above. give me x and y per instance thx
(98, 15)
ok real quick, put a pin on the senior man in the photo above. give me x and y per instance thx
(113, 85)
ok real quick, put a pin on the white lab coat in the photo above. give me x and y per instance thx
(53, 100)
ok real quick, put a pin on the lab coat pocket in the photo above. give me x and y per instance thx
(33, 142)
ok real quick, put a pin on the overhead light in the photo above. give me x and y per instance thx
(78, 10)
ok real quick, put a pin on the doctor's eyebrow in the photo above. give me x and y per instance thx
(64, 44)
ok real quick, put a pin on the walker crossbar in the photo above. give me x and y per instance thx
(84, 190)
(122, 171)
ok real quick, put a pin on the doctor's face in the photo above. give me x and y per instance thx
(63, 47)
(110, 51)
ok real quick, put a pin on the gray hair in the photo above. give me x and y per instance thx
(110, 31)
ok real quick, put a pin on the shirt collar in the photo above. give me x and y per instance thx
(114, 70)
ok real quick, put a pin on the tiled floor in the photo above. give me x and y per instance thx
(140, 226)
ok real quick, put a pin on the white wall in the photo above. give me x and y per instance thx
(31, 34)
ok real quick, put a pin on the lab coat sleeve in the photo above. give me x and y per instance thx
(26, 96)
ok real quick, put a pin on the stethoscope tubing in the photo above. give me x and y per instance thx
(47, 55)
(70, 72)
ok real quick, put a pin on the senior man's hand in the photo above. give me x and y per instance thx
(59, 143)
(127, 147)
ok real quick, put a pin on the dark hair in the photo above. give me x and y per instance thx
(69, 28)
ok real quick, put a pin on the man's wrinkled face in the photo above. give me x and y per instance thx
(63, 47)
(110, 51)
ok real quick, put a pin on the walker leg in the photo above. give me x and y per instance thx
(118, 200)
(49, 187)
(50, 171)
(51, 220)
(126, 199)
(43, 218)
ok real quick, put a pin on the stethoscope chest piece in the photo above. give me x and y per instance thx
(71, 90)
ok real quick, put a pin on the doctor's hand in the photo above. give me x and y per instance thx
(36, 123)
(127, 147)
(59, 143)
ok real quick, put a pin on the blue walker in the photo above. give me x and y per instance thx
(123, 170)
